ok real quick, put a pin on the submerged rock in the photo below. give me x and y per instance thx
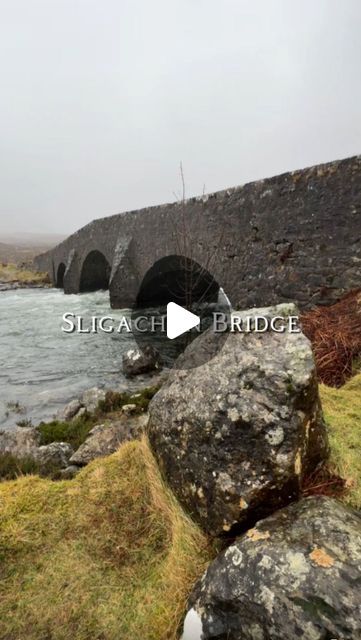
(236, 436)
(136, 362)
(295, 575)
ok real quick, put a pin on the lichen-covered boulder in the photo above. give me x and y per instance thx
(295, 575)
(235, 437)
(136, 362)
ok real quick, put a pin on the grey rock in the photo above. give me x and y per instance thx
(235, 437)
(55, 454)
(91, 398)
(21, 442)
(82, 411)
(69, 472)
(71, 410)
(296, 575)
(136, 362)
(104, 439)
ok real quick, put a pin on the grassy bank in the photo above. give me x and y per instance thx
(342, 409)
(13, 273)
(108, 555)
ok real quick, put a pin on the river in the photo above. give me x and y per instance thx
(43, 368)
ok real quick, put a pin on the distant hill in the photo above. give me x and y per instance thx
(29, 239)
(23, 247)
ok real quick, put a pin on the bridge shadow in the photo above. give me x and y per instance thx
(95, 272)
(60, 276)
(178, 279)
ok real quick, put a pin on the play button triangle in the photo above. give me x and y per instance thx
(179, 320)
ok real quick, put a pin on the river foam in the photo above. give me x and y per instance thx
(41, 367)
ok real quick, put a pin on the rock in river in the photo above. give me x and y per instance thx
(236, 436)
(295, 576)
(136, 362)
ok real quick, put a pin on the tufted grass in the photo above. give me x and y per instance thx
(109, 555)
(342, 409)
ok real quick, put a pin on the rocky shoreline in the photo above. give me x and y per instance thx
(235, 441)
(107, 418)
(18, 284)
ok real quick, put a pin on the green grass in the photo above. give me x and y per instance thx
(109, 555)
(74, 432)
(11, 467)
(342, 409)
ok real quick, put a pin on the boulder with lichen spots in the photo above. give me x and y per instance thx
(236, 436)
(295, 575)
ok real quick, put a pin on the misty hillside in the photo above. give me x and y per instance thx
(23, 247)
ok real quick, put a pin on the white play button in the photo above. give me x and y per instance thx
(179, 320)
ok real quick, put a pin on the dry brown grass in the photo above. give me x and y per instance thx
(335, 333)
(13, 273)
(109, 555)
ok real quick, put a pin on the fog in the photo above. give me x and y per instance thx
(100, 101)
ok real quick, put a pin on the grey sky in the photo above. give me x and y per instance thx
(101, 99)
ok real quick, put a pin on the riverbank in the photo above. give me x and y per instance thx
(14, 276)
(126, 554)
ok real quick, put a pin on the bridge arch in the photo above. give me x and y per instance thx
(60, 276)
(95, 272)
(178, 279)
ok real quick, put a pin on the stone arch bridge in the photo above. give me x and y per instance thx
(295, 237)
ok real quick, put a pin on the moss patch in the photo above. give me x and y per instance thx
(107, 555)
(342, 409)
(73, 432)
(114, 401)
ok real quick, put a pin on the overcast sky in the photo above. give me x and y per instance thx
(101, 99)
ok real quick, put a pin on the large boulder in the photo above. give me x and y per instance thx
(236, 437)
(296, 575)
